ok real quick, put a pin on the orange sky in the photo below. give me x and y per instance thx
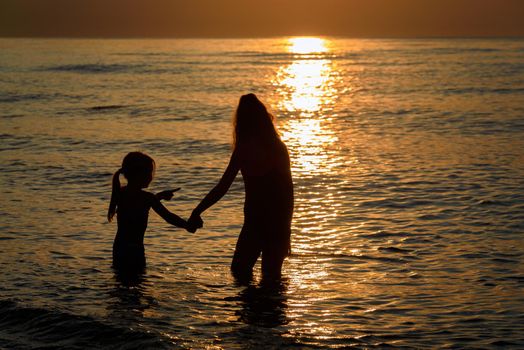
(261, 18)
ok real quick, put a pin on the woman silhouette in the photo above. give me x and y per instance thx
(263, 160)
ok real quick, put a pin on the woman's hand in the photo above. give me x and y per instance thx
(167, 194)
(195, 222)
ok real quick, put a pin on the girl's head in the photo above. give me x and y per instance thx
(138, 168)
(253, 121)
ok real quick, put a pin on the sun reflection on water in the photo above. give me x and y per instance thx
(307, 84)
(309, 141)
(307, 89)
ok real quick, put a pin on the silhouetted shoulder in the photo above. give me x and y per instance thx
(282, 154)
(150, 198)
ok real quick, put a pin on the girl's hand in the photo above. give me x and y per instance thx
(167, 194)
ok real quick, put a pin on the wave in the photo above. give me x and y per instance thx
(12, 116)
(395, 203)
(105, 108)
(95, 68)
(115, 68)
(14, 97)
(29, 327)
(133, 111)
(405, 256)
(483, 91)
(459, 50)
(283, 54)
(145, 54)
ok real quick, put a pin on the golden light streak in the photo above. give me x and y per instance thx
(307, 89)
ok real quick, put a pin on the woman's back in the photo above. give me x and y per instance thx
(268, 183)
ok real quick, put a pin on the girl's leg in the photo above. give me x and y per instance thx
(247, 251)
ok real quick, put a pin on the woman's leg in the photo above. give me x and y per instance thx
(274, 253)
(272, 264)
(247, 251)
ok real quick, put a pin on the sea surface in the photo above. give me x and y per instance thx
(408, 166)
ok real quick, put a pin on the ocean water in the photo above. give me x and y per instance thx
(408, 166)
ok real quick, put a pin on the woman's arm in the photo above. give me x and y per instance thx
(221, 188)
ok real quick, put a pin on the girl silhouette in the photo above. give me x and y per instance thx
(131, 204)
(263, 160)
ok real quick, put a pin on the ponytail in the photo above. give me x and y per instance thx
(115, 193)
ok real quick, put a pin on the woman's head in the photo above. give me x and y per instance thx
(253, 121)
(138, 168)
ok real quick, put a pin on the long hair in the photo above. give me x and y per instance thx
(136, 166)
(253, 121)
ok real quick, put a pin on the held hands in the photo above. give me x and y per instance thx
(195, 222)
(167, 194)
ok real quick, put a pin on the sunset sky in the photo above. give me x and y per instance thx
(250, 18)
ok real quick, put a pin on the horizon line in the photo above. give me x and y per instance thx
(131, 37)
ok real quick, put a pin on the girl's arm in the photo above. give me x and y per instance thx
(221, 188)
(170, 217)
(166, 195)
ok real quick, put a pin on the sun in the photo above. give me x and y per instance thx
(307, 45)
